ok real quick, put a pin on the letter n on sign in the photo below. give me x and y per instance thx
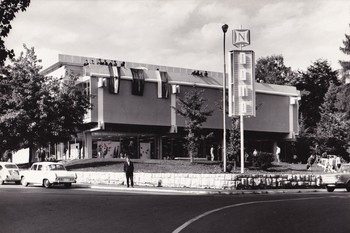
(241, 37)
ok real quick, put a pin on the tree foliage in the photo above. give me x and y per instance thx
(234, 143)
(271, 69)
(332, 130)
(345, 64)
(8, 10)
(195, 112)
(314, 84)
(34, 109)
(263, 160)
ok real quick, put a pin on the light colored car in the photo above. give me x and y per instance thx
(336, 180)
(9, 172)
(48, 174)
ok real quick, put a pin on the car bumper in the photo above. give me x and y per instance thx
(12, 178)
(336, 185)
(66, 182)
(63, 181)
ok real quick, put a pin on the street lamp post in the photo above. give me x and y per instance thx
(224, 29)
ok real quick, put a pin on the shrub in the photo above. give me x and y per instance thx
(263, 160)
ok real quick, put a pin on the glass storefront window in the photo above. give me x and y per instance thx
(106, 145)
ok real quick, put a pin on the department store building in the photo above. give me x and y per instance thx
(134, 111)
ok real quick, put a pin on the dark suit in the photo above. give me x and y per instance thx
(129, 172)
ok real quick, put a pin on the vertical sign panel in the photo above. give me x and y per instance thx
(241, 83)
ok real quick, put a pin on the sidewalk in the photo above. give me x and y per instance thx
(195, 191)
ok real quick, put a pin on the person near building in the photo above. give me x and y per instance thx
(338, 163)
(246, 156)
(42, 154)
(278, 151)
(7, 156)
(77, 152)
(330, 164)
(129, 171)
(212, 156)
(310, 161)
(99, 152)
(82, 153)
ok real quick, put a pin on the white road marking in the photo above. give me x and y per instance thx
(189, 222)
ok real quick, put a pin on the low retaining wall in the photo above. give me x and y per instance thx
(206, 181)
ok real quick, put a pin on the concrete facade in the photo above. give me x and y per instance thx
(149, 124)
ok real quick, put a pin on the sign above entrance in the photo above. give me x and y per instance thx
(241, 37)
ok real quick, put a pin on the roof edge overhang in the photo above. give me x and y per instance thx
(271, 89)
(51, 68)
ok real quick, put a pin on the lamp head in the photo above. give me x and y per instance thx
(224, 28)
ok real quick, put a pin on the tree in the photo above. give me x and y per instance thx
(344, 97)
(195, 112)
(345, 64)
(314, 84)
(36, 110)
(332, 130)
(234, 143)
(271, 69)
(8, 10)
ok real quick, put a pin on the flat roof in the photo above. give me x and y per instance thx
(177, 75)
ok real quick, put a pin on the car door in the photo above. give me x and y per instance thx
(32, 174)
(39, 174)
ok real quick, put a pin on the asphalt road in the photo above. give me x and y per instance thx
(56, 210)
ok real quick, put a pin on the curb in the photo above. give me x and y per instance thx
(151, 189)
(199, 192)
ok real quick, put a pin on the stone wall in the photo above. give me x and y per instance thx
(205, 181)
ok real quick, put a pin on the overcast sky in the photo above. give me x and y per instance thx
(182, 33)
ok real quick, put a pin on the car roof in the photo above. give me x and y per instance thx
(46, 163)
(3, 163)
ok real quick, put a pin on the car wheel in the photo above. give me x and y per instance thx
(348, 186)
(23, 181)
(1, 181)
(68, 185)
(46, 183)
(330, 189)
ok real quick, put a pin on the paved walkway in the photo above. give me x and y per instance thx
(195, 191)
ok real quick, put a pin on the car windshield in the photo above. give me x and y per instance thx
(56, 167)
(11, 166)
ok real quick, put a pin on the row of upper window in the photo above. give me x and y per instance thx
(138, 83)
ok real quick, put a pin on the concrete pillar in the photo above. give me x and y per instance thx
(159, 146)
(61, 151)
(173, 114)
(88, 145)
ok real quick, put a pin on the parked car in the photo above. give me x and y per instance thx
(48, 174)
(336, 180)
(9, 172)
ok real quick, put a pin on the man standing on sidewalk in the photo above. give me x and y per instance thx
(129, 171)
